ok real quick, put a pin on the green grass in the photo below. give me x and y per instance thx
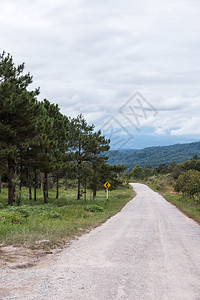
(189, 206)
(164, 185)
(58, 220)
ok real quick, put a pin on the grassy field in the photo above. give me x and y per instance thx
(33, 223)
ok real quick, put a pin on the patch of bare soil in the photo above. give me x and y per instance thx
(24, 257)
(20, 257)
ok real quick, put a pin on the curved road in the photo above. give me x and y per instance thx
(149, 250)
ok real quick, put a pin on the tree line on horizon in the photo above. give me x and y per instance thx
(154, 156)
(37, 140)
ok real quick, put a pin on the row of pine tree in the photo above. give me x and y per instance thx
(37, 140)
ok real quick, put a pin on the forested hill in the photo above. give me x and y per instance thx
(154, 155)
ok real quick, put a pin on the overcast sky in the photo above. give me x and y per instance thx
(91, 56)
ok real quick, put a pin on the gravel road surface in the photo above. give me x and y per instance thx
(149, 250)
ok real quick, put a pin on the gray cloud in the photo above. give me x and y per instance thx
(90, 56)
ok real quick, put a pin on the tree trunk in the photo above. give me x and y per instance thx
(30, 193)
(11, 187)
(0, 184)
(94, 192)
(45, 187)
(94, 182)
(85, 189)
(79, 189)
(35, 192)
(20, 174)
(35, 186)
(66, 185)
(79, 184)
(57, 186)
(79, 174)
(29, 176)
(20, 184)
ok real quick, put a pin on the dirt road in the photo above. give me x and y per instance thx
(149, 250)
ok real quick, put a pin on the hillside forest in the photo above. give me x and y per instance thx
(154, 156)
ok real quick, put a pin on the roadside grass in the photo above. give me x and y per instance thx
(161, 183)
(34, 224)
(188, 206)
(164, 185)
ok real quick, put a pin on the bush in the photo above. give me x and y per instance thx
(1, 206)
(188, 183)
(137, 172)
(94, 208)
(24, 212)
(12, 217)
(54, 215)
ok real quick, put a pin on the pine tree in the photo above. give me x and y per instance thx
(80, 132)
(19, 115)
(95, 146)
(55, 154)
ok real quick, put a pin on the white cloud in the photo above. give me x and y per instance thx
(188, 127)
(90, 56)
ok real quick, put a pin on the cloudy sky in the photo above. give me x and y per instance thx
(92, 56)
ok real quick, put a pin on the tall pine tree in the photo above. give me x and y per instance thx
(19, 114)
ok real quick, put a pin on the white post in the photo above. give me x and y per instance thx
(107, 194)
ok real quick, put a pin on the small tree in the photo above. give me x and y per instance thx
(147, 171)
(188, 183)
(161, 169)
(137, 172)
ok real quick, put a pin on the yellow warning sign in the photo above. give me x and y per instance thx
(107, 185)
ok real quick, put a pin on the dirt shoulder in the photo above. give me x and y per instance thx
(21, 257)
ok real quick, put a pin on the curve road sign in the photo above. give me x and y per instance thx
(107, 185)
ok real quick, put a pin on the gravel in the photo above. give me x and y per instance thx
(150, 250)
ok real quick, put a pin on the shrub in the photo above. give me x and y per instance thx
(1, 206)
(188, 183)
(94, 208)
(12, 217)
(24, 212)
(54, 215)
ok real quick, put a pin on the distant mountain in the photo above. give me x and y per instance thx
(154, 155)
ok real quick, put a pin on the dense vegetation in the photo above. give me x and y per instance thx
(154, 156)
(39, 144)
